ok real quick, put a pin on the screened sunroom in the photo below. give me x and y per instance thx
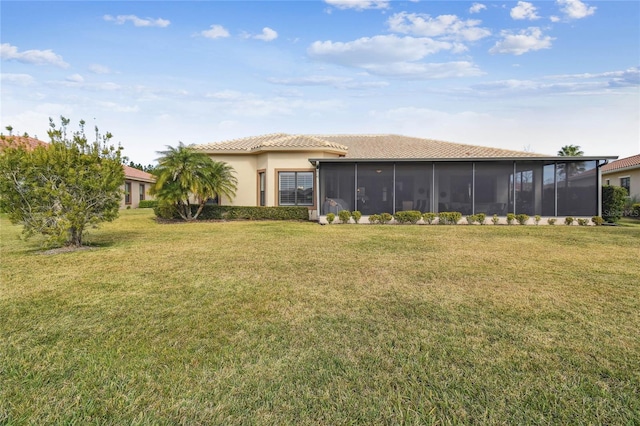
(534, 186)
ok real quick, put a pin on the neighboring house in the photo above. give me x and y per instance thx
(624, 172)
(20, 141)
(389, 173)
(136, 187)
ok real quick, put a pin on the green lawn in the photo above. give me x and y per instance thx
(271, 323)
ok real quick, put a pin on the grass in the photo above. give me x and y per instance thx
(294, 323)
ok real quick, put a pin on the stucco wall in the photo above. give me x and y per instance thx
(247, 166)
(614, 179)
(135, 193)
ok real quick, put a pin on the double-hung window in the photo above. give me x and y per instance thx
(295, 188)
(127, 192)
(625, 182)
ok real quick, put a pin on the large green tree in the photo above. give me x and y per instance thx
(62, 188)
(184, 174)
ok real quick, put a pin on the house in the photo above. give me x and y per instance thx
(624, 172)
(26, 142)
(390, 173)
(136, 187)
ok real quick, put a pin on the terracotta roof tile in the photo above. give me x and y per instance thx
(265, 142)
(23, 141)
(135, 174)
(364, 146)
(622, 163)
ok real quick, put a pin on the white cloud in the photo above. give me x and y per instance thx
(524, 10)
(575, 9)
(36, 57)
(138, 22)
(525, 41)
(393, 56)
(332, 81)
(216, 31)
(112, 106)
(18, 79)
(75, 78)
(267, 35)
(426, 70)
(447, 26)
(376, 50)
(99, 69)
(554, 18)
(359, 4)
(477, 7)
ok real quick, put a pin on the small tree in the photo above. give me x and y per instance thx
(61, 189)
(613, 198)
(184, 174)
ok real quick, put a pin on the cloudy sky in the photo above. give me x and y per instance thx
(520, 75)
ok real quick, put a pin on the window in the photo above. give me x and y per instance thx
(607, 182)
(261, 189)
(142, 191)
(295, 188)
(127, 192)
(625, 182)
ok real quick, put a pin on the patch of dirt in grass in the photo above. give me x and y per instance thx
(67, 249)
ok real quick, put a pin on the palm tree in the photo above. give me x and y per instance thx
(184, 174)
(570, 151)
(569, 169)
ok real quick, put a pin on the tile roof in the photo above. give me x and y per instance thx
(397, 146)
(23, 141)
(272, 141)
(623, 163)
(364, 146)
(135, 174)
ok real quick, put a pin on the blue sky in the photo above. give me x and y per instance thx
(519, 75)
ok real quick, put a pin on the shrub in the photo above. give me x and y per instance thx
(568, 220)
(522, 218)
(165, 210)
(216, 212)
(495, 219)
(635, 210)
(356, 215)
(613, 199)
(375, 218)
(537, 218)
(409, 216)
(429, 217)
(583, 222)
(551, 221)
(471, 219)
(597, 220)
(385, 218)
(344, 216)
(449, 218)
(482, 218)
(330, 218)
(511, 217)
(148, 204)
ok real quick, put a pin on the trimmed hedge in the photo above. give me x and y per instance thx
(240, 213)
(148, 204)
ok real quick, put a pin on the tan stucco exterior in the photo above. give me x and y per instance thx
(247, 167)
(136, 187)
(614, 177)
